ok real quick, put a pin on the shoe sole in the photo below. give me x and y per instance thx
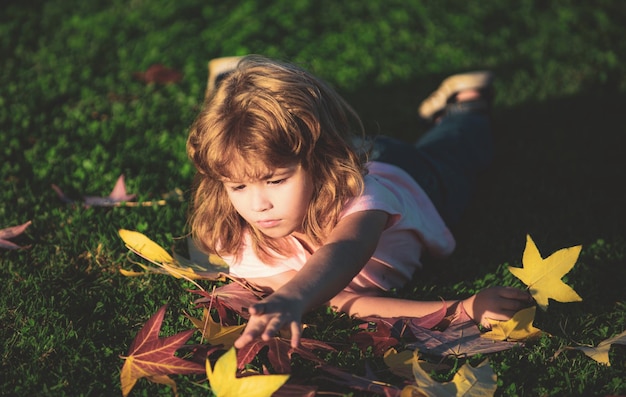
(218, 67)
(436, 102)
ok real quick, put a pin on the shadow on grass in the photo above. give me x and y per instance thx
(557, 175)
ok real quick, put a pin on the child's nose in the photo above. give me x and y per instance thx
(260, 201)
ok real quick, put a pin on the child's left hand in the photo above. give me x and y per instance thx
(270, 316)
(496, 303)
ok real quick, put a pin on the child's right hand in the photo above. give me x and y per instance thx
(271, 315)
(496, 303)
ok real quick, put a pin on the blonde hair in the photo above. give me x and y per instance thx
(270, 114)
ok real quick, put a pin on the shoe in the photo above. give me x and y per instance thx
(218, 69)
(437, 102)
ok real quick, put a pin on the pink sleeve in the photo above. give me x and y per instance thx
(375, 197)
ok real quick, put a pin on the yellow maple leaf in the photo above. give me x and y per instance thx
(215, 333)
(224, 382)
(543, 276)
(468, 381)
(166, 264)
(401, 363)
(518, 328)
(600, 353)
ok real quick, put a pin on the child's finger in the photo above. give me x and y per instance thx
(296, 331)
(243, 340)
(257, 309)
(272, 328)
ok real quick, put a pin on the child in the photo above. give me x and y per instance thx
(283, 195)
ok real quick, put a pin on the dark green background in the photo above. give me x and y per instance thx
(72, 114)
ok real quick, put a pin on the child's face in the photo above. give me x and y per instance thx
(275, 203)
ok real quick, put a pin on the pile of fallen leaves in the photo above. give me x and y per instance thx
(423, 342)
(412, 348)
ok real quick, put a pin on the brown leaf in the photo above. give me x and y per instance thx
(461, 339)
(153, 357)
(11, 232)
(361, 383)
(159, 74)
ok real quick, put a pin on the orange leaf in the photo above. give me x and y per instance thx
(153, 357)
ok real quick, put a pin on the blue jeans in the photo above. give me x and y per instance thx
(445, 161)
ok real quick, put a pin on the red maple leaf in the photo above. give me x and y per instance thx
(159, 74)
(290, 390)
(232, 297)
(117, 196)
(11, 232)
(377, 334)
(152, 357)
(280, 352)
(384, 332)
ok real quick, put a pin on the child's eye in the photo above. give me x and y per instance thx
(236, 188)
(277, 181)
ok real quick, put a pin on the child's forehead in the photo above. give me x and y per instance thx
(242, 170)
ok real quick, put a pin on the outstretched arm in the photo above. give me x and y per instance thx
(327, 272)
(496, 303)
(331, 268)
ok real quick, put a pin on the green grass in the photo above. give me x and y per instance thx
(72, 114)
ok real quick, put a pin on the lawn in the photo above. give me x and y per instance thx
(74, 112)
